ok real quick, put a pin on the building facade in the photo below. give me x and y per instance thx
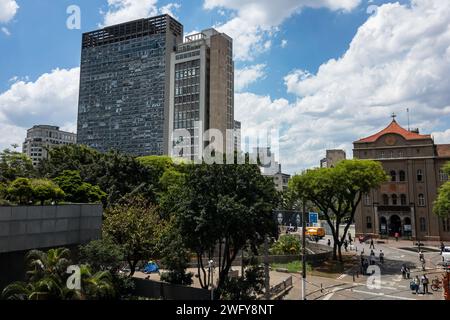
(332, 158)
(404, 204)
(124, 86)
(41, 138)
(237, 136)
(202, 91)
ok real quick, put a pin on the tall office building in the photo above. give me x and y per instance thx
(202, 90)
(237, 136)
(124, 86)
(41, 138)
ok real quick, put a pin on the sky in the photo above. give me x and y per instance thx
(320, 73)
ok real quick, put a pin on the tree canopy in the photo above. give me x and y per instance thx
(338, 191)
(442, 203)
(223, 207)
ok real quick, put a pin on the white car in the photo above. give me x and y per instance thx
(446, 255)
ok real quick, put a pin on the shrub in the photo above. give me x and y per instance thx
(286, 245)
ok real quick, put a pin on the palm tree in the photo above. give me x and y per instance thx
(47, 288)
(53, 263)
(96, 286)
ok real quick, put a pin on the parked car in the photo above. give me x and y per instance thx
(446, 255)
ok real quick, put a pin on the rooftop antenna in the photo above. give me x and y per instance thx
(407, 111)
(393, 116)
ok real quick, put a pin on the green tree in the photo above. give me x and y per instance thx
(338, 191)
(223, 207)
(15, 165)
(102, 255)
(44, 190)
(117, 174)
(135, 225)
(21, 190)
(442, 203)
(76, 190)
(249, 287)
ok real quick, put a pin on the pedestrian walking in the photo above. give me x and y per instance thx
(381, 256)
(408, 272)
(396, 236)
(350, 238)
(442, 247)
(365, 266)
(425, 283)
(421, 256)
(423, 265)
(346, 245)
(372, 245)
(403, 271)
(329, 242)
(416, 284)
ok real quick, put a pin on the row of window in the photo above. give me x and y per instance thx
(422, 224)
(419, 175)
(396, 200)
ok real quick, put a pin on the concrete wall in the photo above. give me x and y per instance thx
(25, 228)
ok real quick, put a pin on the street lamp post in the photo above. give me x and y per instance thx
(211, 273)
(304, 252)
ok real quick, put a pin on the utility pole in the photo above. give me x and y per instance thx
(304, 252)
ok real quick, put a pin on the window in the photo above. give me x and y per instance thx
(402, 175)
(403, 199)
(442, 175)
(423, 224)
(401, 154)
(394, 199)
(421, 200)
(419, 175)
(385, 199)
(393, 175)
(367, 199)
(369, 222)
(446, 224)
(382, 154)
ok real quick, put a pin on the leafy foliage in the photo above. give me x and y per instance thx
(286, 244)
(136, 226)
(223, 207)
(244, 288)
(15, 165)
(76, 190)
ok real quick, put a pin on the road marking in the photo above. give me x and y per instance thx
(328, 296)
(342, 276)
(381, 294)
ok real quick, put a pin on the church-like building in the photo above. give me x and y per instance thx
(404, 204)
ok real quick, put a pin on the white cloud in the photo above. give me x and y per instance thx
(51, 99)
(6, 31)
(8, 9)
(257, 20)
(399, 58)
(170, 8)
(248, 75)
(120, 11)
(284, 43)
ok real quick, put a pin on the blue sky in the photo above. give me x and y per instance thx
(311, 69)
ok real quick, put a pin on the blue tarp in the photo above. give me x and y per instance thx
(151, 267)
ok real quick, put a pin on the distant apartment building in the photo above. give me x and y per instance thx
(332, 158)
(41, 138)
(202, 92)
(271, 168)
(124, 86)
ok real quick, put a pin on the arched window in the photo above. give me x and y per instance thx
(403, 199)
(419, 175)
(421, 200)
(423, 224)
(366, 199)
(385, 199)
(402, 175)
(369, 222)
(393, 175)
(394, 199)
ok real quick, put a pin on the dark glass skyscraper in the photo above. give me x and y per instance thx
(124, 86)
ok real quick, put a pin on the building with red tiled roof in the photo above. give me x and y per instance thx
(403, 205)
